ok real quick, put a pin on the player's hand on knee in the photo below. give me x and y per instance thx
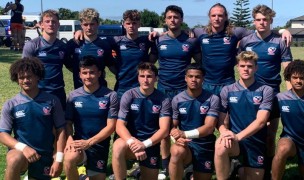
(80, 145)
(176, 133)
(140, 156)
(56, 169)
(31, 154)
(137, 146)
(183, 142)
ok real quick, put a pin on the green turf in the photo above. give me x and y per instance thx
(9, 89)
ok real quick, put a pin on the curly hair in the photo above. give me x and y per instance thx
(133, 15)
(147, 66)
(228, 26)
(48, 13)
(265, 10)
(295, 67)
(89, 14)
(27, 65)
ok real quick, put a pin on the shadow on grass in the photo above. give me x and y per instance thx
(8, 56)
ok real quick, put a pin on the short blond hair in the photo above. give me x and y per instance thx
(49, 13)
(89, 14)
(247, 56)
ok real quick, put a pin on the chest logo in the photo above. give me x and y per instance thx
(47, 110)
(61, 54)
(285, 109)
(205, 41)
(271, 50)
(135, 107)
(78, 104)
(257, 99)
(103, 104)
(163, 47)
(226, 40)
(142, 46)
(204, 109)
(183, 110)
(155, 109)
(100, 52)
(123, 47)
(185, 47)
(233, 99)
(42, 54)
(20, 114)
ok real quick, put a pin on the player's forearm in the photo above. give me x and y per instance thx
(103, 134)
(69, 129)
(254, 127)
(122, 130)
(61, 139)
(206, 130)
(7, 140)
(159, 135)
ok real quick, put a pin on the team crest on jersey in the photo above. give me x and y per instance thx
(123, 47)
(42, 54)
(78, 104)
(100, 164)
(260, 160)
(77, 51)
(46, 170)
(285, 109)
(226, 40)
(205, 41)
(20, 114)
(208, 164)
(249, 48)
(182, 110)
(155, 109)
(100, 52)
(257, 99)
(204, 109)
(233, 99)
(163, 47)
(103, 104)
(47, 110)
(153, 161)
(142, 46)
(185, 47)
(134, 107)
(271, 50)
(61, 54)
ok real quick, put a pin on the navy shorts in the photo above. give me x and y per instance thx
(169, 93)
(41, 168)
(214, 88)
(97, 158)
(202, 158)
(153, 157)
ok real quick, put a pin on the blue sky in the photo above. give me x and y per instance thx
(108, 8)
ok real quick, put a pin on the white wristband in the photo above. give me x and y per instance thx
(20, 146)
(59, 157)
(192, 134)
(130, 141)
(281, 31)
(147, 143)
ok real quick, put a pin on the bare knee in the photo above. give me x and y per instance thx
(73, 158)
(177, 153)
(220, 149)
(119, 148)
(15, 159)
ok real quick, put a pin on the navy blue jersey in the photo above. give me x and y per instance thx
(243, 104)
(142, 112)
(89, 111)
(191, 112)
(16, 15)
(52, 57)
(292, 116)
(100, 48)
(272, 51)
(218, 54)
(174, 55)
(130, 54)
(32, 120)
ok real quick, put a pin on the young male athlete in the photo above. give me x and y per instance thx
(291, 106)
(218, 42)
(90, 45)
(246, 106)
(31, 116)
(143, 121)
(273, 53)
(51, 52)
(92, 109)
(195, 113)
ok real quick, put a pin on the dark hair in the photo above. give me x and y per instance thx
(89, 61)
(147, 66)
(195, 66)
(295, 67)
(27, 65)
(133, 15)
(174, 8)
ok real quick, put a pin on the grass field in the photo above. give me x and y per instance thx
(9, 89)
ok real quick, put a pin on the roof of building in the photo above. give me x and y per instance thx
(296, 31)
(300, 18)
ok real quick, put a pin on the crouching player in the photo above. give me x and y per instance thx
(93, 110)
(143, 121)
(291, 105)
(195, 113)
(32, 115)
(246, 106)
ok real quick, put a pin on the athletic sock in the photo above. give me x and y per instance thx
(165, 163)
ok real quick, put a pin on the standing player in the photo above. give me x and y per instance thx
(195, 113)
(16, 24)
(92, 109)
(32, 115)
(174, 52)
(218, 42)
(246, 106)
(51, 52)
(143, 121)
(291, 106)
(273, 53)
(91, 45)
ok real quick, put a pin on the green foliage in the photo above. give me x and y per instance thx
(149, 18)
(109, 21)
(241, 14)
(288, 24)
(67, 14)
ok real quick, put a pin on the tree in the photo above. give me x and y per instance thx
(109, 21)
(149, 18)
(66, 14)
(241, 14)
